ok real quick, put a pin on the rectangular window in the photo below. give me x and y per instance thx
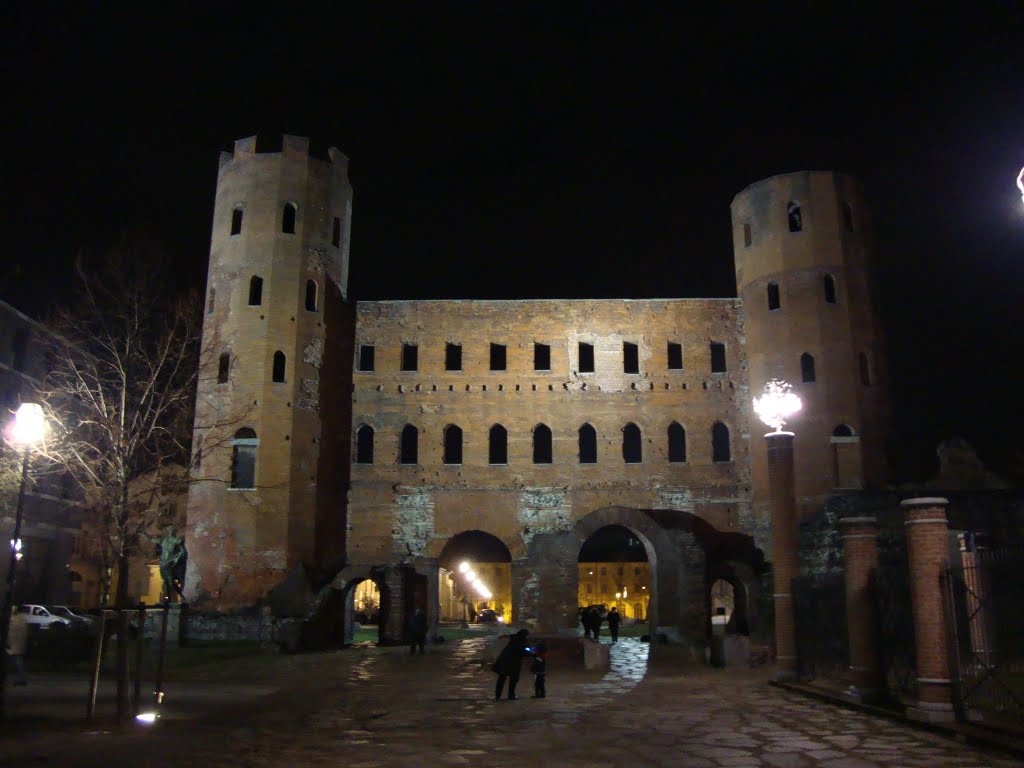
(410, 357)
(243, 464)
(366, 357)
(586, 357)
(453, 357)
(541, 357)
(497, 357)
(747, 239)
(717, 357)
(675, 356)
(630, 358)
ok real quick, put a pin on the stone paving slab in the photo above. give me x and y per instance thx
(386, 708)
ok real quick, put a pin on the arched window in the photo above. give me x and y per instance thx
(676, 443)
(588, 444)
(311, 291)
(288, 219)
(236, 220)
(848, 217)
(279, 363)
(773, 296)
(364, 445)
(842, 430)
(224, 368)
(796, 221)
(452, 444)
(720, 450)
(243, 458)
(632, 450)
(807, 368)
(336, 233)
(497, 450)
(408, 449)
(865, 370)
(255, 291)
(212, 303)
(830, 289)
(747, 237)
(542, 453)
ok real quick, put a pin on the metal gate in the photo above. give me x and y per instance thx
(984, 595)
(819, 612)
(891, 586)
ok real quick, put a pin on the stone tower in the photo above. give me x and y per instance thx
(803, 252)
(275, 294)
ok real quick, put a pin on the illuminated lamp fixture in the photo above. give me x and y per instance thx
(777, 404)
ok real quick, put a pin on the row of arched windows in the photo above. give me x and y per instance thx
(795, 220)
(277, 368)
(289, 215)
(497, 444)
(775, 299)
(256, 295)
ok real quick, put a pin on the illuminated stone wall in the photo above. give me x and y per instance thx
(622, 585)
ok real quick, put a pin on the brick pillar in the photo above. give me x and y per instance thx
(927, 550)
(860, 559)
(785, 566)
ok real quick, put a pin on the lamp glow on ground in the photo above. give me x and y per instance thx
(777, 404)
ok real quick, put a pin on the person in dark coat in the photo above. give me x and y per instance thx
(613, 624)
(509, 663)
(540, 670)
(595, 622)
(417, 627)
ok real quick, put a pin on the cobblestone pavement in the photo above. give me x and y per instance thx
(387, 709)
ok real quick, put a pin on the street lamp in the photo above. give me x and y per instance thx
(29, 429)
(777, 404)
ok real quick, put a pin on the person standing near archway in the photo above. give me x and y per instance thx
(613, 624)
(509, 663)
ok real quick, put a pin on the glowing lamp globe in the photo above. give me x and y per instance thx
(777, 404)
(29, 424)
(463, 567)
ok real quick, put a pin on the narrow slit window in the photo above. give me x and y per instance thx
(19, 353)
(717, 357)
(410, 357)
(497, 447)
(453, 357)
(311, 295)
(675, 356)
(288, 219)
(364, 445)
(497, 357)
(366, 357)
(541, 357)
(255, 291)
(586, 357)
(848, 217)
(676, 443)
(773, 296)
(236, 221)
(747, 238)
(830, 289)
(630, 358)
(336, 233)
(542, 453)
(452, 444)
(279, 364)
(224, 368)
(243, 459)
(865, 370)
(796, 219)
(408, 449)
(807, 368)
(212, 303)
(632, 447)
(720, 450)
(588, 444)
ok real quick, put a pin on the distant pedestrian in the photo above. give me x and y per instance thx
(17, 644)
(540, 670)
(417, 628)
(595, 623)
(613, 624)
(509, 663)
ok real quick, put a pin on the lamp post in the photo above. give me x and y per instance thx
(776, 405)
(28, 429)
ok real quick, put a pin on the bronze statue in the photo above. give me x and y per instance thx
(173, 559)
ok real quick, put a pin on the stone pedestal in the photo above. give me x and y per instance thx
(596, 656)
(785, 565)
(860, 559)
(926, 552)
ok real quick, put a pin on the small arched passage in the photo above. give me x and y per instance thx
(475, 575)
(334, 622)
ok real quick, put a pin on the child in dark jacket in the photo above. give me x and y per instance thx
(540, 670)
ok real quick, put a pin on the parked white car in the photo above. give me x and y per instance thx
(79, 619)
(41, 617)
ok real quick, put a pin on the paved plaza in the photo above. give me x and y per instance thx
(370, 708)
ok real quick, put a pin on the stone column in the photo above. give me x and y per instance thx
(394, 627)
(927, 550)
(860, 559)
(785, 565)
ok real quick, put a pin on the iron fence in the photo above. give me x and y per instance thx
(897, 657)
(819, 612)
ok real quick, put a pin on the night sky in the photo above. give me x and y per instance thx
(504, 150)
